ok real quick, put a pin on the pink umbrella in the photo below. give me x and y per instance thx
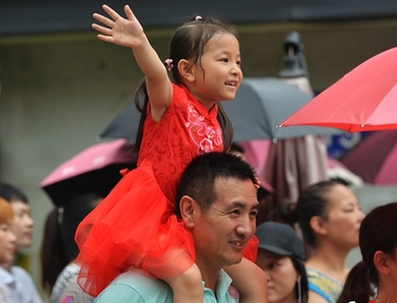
(374, 159)
(362, 100)
(256, 151)
(95, 169)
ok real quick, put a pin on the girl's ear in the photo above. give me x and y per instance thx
(382, 262)
(318, 225)
(187, 209)
(185, 70)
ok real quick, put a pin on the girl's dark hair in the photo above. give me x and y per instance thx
(378, 232)
(188, 42)
(303, 284)
(58, 247)
(312, 201)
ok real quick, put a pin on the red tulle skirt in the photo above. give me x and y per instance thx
(135, 225)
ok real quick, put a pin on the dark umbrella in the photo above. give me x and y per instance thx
(94, 170)
(124, 125)
(295, 163)
(256, 111)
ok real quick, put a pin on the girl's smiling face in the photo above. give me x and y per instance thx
(219, 75)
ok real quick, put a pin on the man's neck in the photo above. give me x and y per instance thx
(7, 266)
(209, 275)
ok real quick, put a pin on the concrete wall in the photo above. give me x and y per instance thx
(59, 92)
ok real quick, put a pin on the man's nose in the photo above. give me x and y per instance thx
(246, 227)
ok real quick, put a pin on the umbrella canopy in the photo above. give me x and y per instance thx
(259, 106)
(124, 125)
(363, 100)
(374, 159)
(95, 169)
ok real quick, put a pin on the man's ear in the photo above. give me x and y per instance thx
(317, 223)
(187, 206)
(185, 70)
(382, 262)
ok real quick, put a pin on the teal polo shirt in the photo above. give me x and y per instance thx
(135, 287)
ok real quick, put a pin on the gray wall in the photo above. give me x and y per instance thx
(60, 91)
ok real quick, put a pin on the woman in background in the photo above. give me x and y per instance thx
(59, 250)
(281, 255)
(7, 242)
(378, 245)
(18, 281)
(329, 217)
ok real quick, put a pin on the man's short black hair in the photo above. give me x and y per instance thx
(199, 177)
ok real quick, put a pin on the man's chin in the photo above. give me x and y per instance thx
(234, 260)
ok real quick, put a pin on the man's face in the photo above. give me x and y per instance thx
(222, 231)
(22, 225)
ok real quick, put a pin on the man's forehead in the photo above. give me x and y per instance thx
(235, 190)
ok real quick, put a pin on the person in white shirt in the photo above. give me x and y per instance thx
(17, 282)
(7, 242)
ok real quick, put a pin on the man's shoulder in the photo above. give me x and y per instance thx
(135, 286)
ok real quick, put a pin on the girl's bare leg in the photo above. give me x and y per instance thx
(187, 287)
(249, 280)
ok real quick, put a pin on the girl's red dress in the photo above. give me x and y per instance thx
(135, 224)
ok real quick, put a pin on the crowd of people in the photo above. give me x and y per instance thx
(281, 254)
(182, 226)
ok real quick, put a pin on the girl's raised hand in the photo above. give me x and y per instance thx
(118, 30)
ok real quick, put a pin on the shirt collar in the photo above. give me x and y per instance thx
(6, 277)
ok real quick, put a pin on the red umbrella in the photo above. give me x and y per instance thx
(374, 159)
(95, 169)
(363, 100)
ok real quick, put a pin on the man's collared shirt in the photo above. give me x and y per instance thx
(134, 286)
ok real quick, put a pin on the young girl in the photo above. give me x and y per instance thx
(135, 226)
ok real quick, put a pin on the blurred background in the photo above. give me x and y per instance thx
(61, 86)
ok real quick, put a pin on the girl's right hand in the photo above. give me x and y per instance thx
(118, 30)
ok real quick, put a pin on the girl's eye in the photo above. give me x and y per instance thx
(238, 62)
(225, 60)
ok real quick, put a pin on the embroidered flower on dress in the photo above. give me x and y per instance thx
(202, 132)
(210, 132)
(206, 145)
